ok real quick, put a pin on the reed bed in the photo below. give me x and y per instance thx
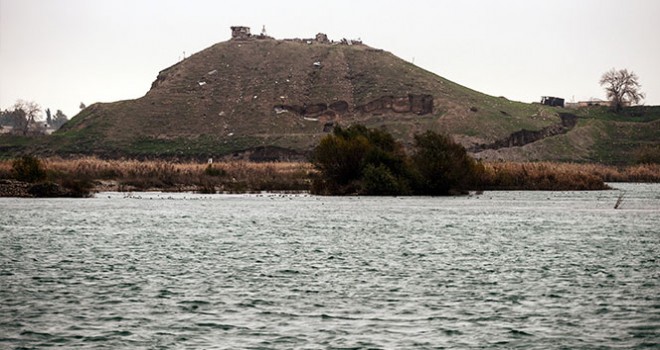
(134, 175)
(563, 176)
(243, 176)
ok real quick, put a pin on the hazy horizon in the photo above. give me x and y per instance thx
(62, 52)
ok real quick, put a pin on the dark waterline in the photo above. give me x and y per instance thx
(533, 270)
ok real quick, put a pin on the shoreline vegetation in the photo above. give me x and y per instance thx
(349, 161)
(81, 177)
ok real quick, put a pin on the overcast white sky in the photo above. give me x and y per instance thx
(63, 52)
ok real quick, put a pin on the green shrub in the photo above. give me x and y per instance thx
(370, 161)
(441, 165)
(343, 157)
(339, 156)
(379, 181)
(28, 168)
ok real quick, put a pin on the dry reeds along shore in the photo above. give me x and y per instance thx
(134, 175)
(563, 176)
(242, 176)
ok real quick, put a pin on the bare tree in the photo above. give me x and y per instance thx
(30, 110)
(622, 88)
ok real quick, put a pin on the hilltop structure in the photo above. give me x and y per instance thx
(240, 33)
(243, 33)
(552, 101)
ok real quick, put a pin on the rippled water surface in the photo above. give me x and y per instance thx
(538, 270)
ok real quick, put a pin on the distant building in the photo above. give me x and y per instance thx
(243, 33)
(552, 101)
(322, 38)
(239, 32)
(589, 103)
(594, 102)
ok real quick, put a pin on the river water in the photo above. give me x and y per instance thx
(528, 270)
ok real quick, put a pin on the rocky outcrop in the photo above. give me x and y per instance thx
(523, 137)
(46, 189)
(12, 188)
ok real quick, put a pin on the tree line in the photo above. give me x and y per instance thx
(24, 118)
